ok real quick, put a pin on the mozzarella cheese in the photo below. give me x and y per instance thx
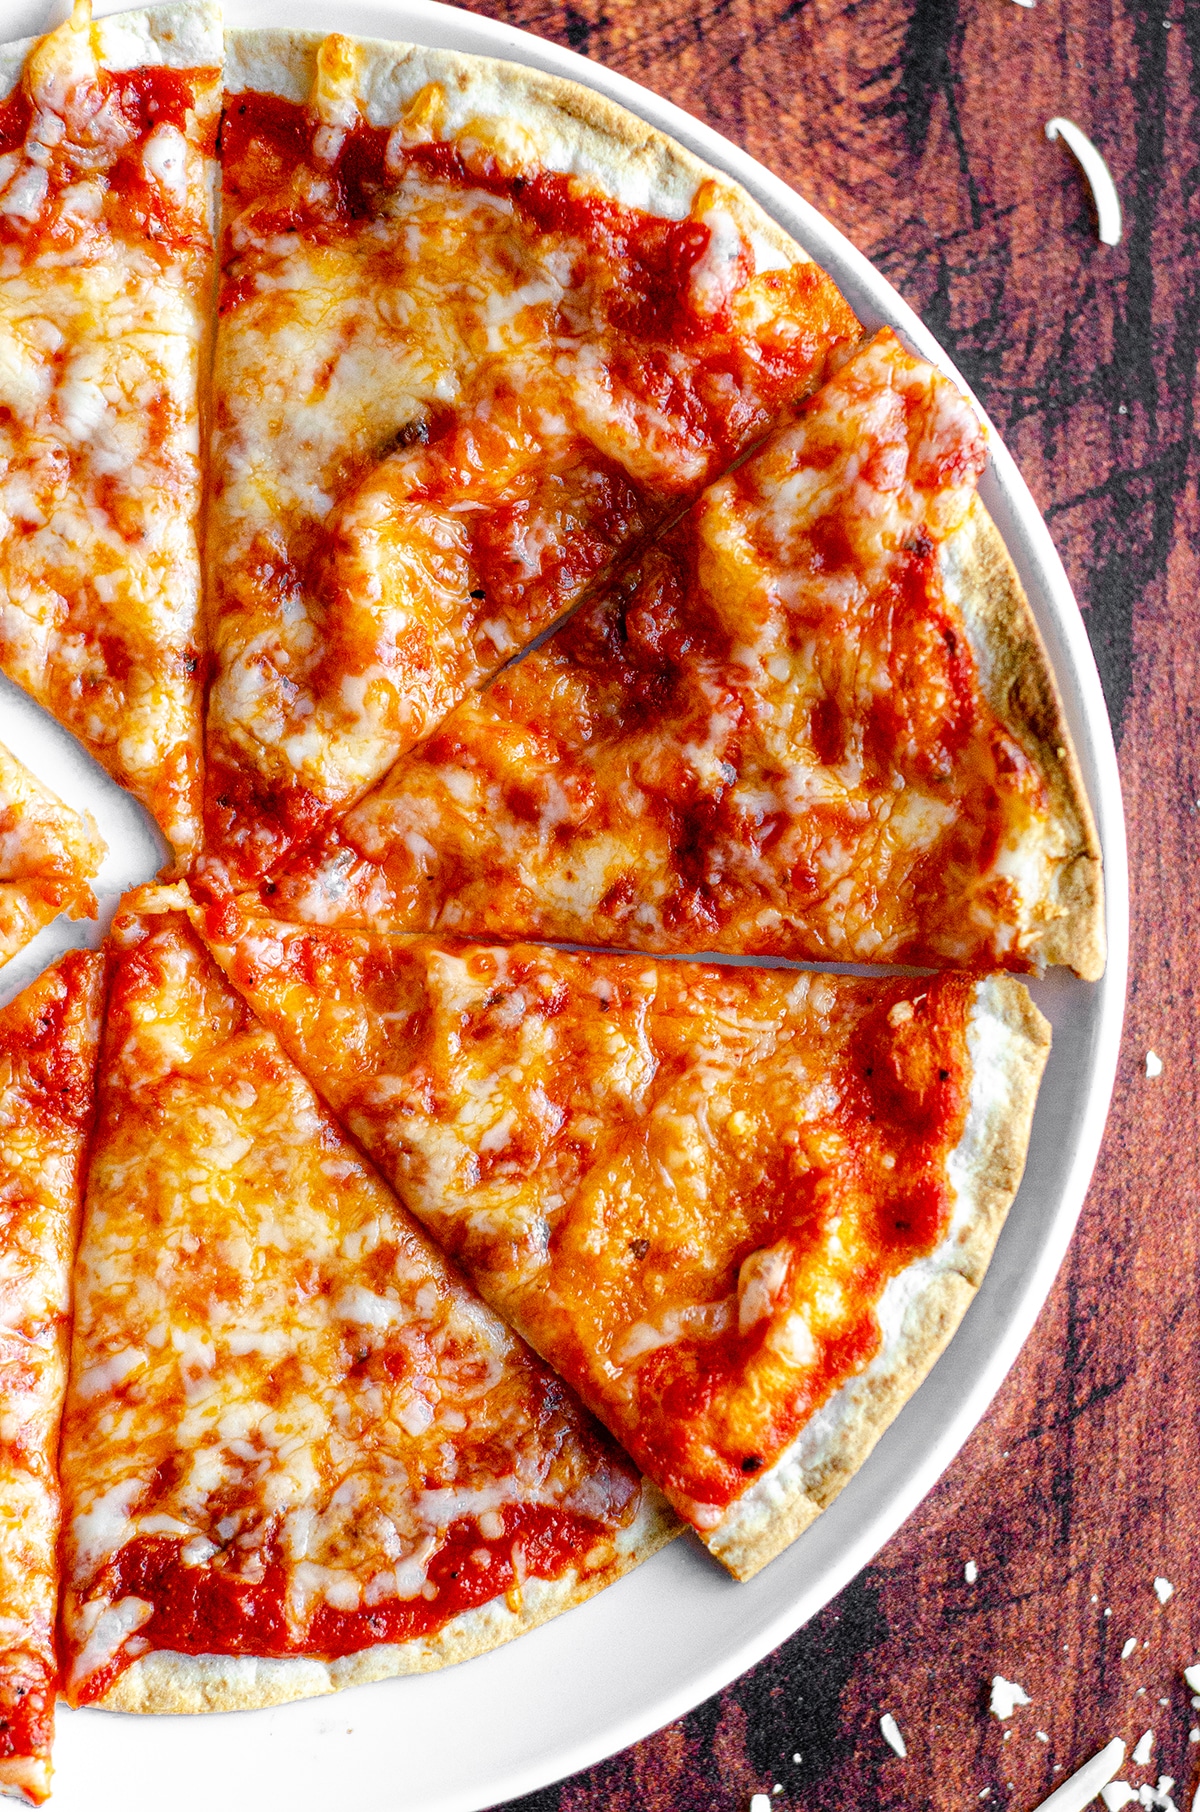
(767, 735)
(696, 1192)
(47, 1049)
(105, 265)
(276, 1384)
(48, 854)
(439, 414)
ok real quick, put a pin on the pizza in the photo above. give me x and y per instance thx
(47, 1052)
(814, 720)
(48, 856)
(298, 1452)
(544, 585)
(106, 140)
(741, 1212)
(479, 331)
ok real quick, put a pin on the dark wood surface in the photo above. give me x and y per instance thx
(917, 127)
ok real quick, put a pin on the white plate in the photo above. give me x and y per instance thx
(675, 1631)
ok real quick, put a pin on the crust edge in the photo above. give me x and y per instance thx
(1019, 684)
(990, 1159)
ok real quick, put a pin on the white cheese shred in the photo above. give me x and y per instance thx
(1145, 1744)
(1163, 1589)
(1006, 1696)
(1192, 1676)
(1081, 1788)
(891, 1734)
(1104, 189)
(759, 1802)
(1153, 1064)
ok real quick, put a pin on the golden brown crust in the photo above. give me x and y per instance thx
(1010, 1042)
(1019, 684)
(168, 1682)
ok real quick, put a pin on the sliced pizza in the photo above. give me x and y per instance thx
(816, 720)
(740, 1210)
(480, 330)
(298, 1451)
(48, 1039)
(107, 135)
(48, 855)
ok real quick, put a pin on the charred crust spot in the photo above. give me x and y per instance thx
(639, 1247)
(752, 1462)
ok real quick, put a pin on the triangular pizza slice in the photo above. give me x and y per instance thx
(740, 1210)
(480, 330)
(107, 133)
(298, 1451)
(48, 1039)
(815, 721)
(48, 855)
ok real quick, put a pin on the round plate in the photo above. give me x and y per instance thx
(676, 1630)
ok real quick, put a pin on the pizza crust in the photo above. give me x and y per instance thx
(1009, 1042)
(558, 124)
(1018, 682)
(186, 35)
(25, 1777)
(168, 1682)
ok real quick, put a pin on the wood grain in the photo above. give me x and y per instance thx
(917, 126)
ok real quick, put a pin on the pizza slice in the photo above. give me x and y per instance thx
(298, 1452)
(48, 855)
(741, 1211)
(480, 330)
(107, 133)
(816, 720)
(48, 1039)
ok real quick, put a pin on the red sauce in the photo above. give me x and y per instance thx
(205, 1611)
(904, 1095)
(27, 1715)
(135, 203)
(649, 260)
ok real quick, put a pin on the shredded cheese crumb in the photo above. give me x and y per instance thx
(1192, 1676)
(1006, 1696)
(891, 1734)
(1041, 1736)
(759, 1803)
(1117, 1794)
(1153, 1064)
(1104, 189)
(1129, 1648)
(970, 1572)
(1145, 1744)
(1080, 1789)
(1163, 1589)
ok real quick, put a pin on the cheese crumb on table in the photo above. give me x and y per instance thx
(1006, 1695)
(970, 1572)
(1118, 1794)
(891, 1734)
(1129, 1648)
(1153, 1064)
(1080, 1789)
(1145, 1744)
(1163, 1589)
(759, 1803)
(1192, 1676)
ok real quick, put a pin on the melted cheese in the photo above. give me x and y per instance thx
(104, 279)
(690, 1189)
(48, 854)
(47, 1049)
(435, 426)
(767, 735)
(274, 1375)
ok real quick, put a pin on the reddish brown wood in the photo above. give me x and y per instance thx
(917, 126)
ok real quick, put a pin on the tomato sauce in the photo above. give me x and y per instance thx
(903, 1096)
(27, 1718)
(203, 1610)
(135, 203)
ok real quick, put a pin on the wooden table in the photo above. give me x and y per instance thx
(917, 127)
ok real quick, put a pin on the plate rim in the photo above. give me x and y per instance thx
(1027, 537)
